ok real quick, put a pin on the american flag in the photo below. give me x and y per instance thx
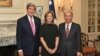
(52, 7)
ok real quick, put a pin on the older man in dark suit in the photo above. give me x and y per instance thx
(27, 35)
(70, 36)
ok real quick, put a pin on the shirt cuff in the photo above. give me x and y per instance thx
(20, 50)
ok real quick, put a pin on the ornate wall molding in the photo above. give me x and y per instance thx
(7, 32)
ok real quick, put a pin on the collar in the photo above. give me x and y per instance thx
(69, 24)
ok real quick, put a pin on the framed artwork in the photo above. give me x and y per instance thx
(39, 11)
(5, 3)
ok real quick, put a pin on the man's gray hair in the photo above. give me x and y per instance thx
(68, 11)
(31, 4)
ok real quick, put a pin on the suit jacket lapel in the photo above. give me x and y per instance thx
(63, 30)
(71, 30)
(28, 23)
(35, 21)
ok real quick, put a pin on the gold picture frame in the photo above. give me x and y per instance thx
(5, 3)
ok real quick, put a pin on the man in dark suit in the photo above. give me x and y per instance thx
(27, 35)
(70, 36)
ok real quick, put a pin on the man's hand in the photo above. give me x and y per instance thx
(79, 54)
(20, 53)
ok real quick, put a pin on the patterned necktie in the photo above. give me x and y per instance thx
(67, 31)
(32, 26)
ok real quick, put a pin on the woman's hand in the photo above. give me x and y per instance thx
(52, 51)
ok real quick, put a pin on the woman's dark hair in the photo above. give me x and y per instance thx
(46, 14)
